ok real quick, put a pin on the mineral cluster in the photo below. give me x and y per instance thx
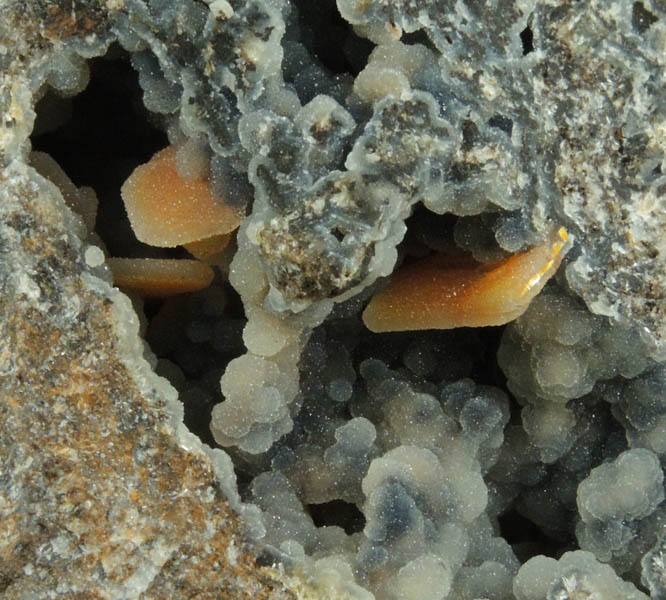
(516, 462)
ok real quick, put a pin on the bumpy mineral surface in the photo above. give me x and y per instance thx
(155, 448)
(104, 494)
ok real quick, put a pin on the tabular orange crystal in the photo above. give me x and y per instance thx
(205, 249)
(160, 277)
(167, 210)
(440, 293)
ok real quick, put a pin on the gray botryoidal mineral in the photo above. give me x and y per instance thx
(357, 136)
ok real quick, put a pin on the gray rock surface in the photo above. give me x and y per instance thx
(386, 466)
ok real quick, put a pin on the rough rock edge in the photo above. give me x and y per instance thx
(140, 390)
(54, 221)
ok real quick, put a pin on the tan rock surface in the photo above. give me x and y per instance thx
(98, 499)
(103, 494)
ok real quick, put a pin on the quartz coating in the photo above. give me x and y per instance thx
(357, 137)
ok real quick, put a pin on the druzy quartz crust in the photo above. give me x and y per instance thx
(503, 447)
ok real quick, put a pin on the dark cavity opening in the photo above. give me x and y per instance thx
(421, 37)
(501, 122)
(527, 39)
(337, 512)
(330, 39)
(98, 138)
(109, 133)
(641, 18)
(525, 537)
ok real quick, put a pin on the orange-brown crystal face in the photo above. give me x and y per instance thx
(438, 293)
(160, 277)
(167, 210)
(209, 247)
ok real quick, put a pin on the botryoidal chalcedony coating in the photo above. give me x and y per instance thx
(565, 123)
(512, 118)
(533, 111)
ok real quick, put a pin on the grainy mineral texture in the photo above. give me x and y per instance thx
(103, 492)
(160, 448)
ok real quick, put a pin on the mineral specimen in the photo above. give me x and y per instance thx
(442, 292)
(359, 136)
(169, 202)
(160, 277)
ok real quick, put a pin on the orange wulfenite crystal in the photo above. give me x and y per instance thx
(205, 249)
(160, 277)
(438, 293)
(166, 210)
